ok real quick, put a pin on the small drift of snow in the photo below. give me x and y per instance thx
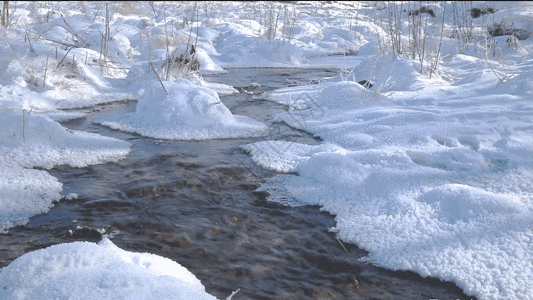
(187, 112)
(31, 140)
(284, 156)
(240, 50)
(25, 193)
(84, 270)
(207, 66)
(342, 95)
(219, 88)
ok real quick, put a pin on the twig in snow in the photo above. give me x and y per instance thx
(63, 58)
(152, 65)
(342, 245)
(233, 294)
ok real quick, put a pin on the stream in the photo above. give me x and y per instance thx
(194, 202)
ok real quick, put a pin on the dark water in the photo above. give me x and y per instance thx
(193, 202)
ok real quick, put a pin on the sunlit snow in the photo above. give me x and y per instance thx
(429, 170)
(429, 181)
(84, 270)
(187, 112)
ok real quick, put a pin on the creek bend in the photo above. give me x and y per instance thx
(193, 202)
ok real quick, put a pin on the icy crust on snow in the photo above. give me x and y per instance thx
(36, 141)
(84, 270)
(25, 193)
(187, 112)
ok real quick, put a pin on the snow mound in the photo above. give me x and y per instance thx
(25, 193)
(207, 66)
(187, 112)
(84, 270)
(31, 140)
(240, 50)
(398, 75)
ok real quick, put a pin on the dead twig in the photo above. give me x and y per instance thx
(342, 245)
(152, 65)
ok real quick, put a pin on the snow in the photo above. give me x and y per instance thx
(34, 140)
(25, 193)
(84, 270)
(187, 112)
(433, 181)
(428, 170)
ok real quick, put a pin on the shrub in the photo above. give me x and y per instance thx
(422, 10)
(478, 12)
(500, 29)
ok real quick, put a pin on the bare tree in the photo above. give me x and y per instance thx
(5, 14)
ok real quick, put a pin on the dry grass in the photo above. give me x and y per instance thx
(138, 8)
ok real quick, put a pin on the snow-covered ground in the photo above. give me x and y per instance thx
(429, 169)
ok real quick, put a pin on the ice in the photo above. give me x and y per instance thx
(84, 270)
(187, 112)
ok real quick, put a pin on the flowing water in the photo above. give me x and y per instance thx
(194, 202)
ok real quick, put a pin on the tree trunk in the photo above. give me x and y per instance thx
(5, 14)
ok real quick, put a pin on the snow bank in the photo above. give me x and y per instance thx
(344, 95)
(284, 156)
(188, 112)
(467, 227)
(34, 140)
(433, 178)
(25, 193)
(31, 140)
(240, 50)
(84, 270)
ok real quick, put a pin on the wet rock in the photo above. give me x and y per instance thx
(86, 232)
(353, 284)
(261, 195)
(237, 218)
